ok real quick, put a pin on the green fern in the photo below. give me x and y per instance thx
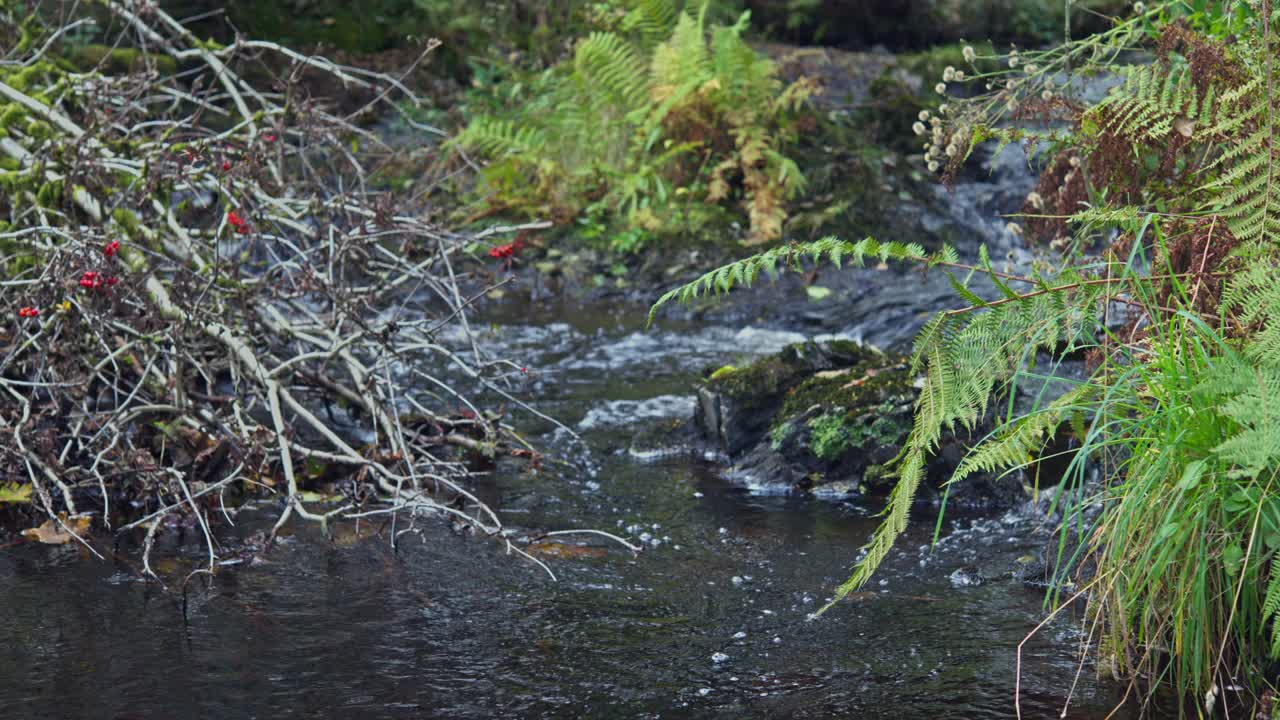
(1271, 605)
(609, 67)
(743, 273)
(500, 138)
(630, 107)
(652, 20)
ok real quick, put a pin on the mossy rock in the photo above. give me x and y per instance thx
(836, 423)
(831, 417)
(738, 405)
(815, 413)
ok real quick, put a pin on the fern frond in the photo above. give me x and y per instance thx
(604, 62)
(652, 20)
(682, 60)
(744, 272)
(496, 138)
(1271, 605)
(1016, 444)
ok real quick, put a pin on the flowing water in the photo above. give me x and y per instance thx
(709, 620)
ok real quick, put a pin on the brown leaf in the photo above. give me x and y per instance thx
(561, 550)
(52, 533)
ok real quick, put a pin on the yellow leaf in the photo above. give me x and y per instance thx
(15, 493)
(52, 533)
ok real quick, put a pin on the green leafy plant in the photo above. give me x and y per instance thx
(645, 122)
(1171, 487)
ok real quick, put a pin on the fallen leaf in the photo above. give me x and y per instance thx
(561, 550)
(13, 493)
(827, 374)
(52, 533)
(817, 292)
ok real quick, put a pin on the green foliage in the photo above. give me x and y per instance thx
(1181, 416)
(779, 435)
(829, 436)
(645, 123)
(831, 249)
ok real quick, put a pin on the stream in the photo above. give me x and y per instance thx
(710, 620)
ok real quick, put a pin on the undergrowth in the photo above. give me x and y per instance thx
(1159, 205)
(664, 123)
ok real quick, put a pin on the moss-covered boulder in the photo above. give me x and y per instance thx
(737, 405)
(828, 418)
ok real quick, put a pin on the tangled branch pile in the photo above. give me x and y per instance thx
(201, 298)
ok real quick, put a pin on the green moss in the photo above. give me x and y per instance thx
(12, 181)
(128, 220)
(38, 75)
(861, 387)
(121, 60)
(780, 434)
(39, 129)
(764, 377)
(12, 114)
(829, 438)
(723, 372)
(838, 431)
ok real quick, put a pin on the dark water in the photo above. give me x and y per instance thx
(710, 620)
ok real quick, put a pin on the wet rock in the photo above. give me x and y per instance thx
(967, 576)
(736, 405)
(829, 418)
(667, 439)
